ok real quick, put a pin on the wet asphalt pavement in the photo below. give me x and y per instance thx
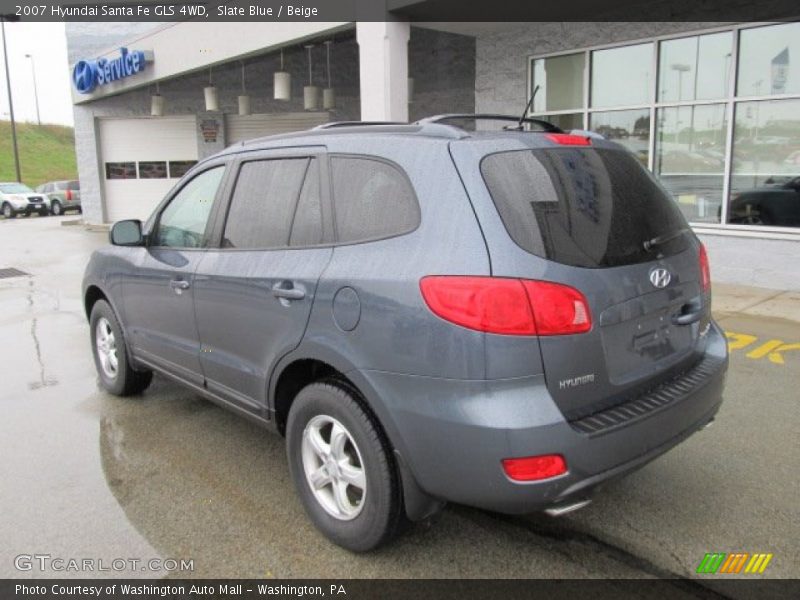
(170, 475)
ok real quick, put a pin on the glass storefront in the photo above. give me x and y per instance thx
(723, 108)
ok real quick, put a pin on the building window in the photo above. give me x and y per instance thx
(690, 158)
(695, 68)
(713, 114)
(765, 178)
(179, 168)
(121, 170)
(631, 128)
(560, 81)
(622, 76)
(152, 169)
(765, 65)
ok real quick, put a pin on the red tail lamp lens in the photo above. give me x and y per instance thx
(535, 468)
(507, 306)
(568, 139)
(705, 269)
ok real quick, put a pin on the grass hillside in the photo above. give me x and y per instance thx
(46, 153)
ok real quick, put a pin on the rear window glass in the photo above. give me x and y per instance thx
(372, 200)
(74, 186)
(264, 203)
(583, 207)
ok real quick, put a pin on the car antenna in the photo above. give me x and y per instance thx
(527, 108)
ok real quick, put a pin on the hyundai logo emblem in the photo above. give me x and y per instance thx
(660, 277)
(84, 76)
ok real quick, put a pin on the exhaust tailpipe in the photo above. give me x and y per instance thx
(563, 509)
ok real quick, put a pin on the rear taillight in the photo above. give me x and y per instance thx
(69, 195)
(507, 306)
(705, 270)
(534, 468)
(558, 309)
(569, 139)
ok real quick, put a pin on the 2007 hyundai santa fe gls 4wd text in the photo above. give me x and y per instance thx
(503, 319)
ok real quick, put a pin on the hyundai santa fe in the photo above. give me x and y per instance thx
(504, 319)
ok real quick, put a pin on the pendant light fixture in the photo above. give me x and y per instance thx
(282, 83)
(210, 91)
(310, 92)
(328, 94)
(157, 104)
(244, 99)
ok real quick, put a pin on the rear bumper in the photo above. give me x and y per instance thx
(454, 434)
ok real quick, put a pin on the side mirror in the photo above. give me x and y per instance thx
(127, 233)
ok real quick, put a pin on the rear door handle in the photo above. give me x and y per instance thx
(179, 284)
(285, 292)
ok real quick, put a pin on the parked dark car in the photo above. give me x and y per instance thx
(62, 196)
(503, 319)
(776, 203)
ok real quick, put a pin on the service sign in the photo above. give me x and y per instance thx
(88, 74)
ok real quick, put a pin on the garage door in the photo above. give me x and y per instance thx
(142, 160)
(239, 128)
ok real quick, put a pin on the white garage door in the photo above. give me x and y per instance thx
(142, 160)
(239, 128)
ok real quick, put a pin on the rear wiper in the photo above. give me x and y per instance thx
(663, 239)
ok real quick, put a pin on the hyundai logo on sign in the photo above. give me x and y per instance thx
(88, 74)
(660, 278)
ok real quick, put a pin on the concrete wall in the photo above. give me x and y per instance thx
(501, 77)
(443, 68)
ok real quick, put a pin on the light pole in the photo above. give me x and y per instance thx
(35, 89)
(3, 19)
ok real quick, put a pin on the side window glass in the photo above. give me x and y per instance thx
(183, 222)
(307, 224)
(263, 203)
(372, 199)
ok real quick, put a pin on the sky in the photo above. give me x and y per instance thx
(47, 43)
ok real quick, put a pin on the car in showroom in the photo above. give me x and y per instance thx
(777, 202)
(504, 319)
(62, 195)
(17, 198)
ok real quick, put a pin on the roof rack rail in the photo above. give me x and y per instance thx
(545, 125)
(333, 124)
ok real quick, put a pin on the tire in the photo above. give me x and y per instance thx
(56, 209)
(358, 518)
(110, 356)
(8, 211)
(80, 210)
(44, 213)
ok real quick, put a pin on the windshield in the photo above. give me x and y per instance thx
(584, 207)
(15, 188)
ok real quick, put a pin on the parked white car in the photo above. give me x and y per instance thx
(16, 198)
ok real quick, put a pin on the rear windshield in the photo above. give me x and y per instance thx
(73, 185)
(583, 207)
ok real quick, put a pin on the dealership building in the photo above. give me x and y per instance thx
(713, 109)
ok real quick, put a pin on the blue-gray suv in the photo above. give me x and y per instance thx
(504, 319)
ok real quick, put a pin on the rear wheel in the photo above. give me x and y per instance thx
(56, 208)
(110, 357)
(8, 211)
(342, 468)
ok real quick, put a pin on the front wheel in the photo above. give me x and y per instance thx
(342, 467)
(56, 209)
(110, 357)
(8, 211)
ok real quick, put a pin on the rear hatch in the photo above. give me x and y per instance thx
(591, 217)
